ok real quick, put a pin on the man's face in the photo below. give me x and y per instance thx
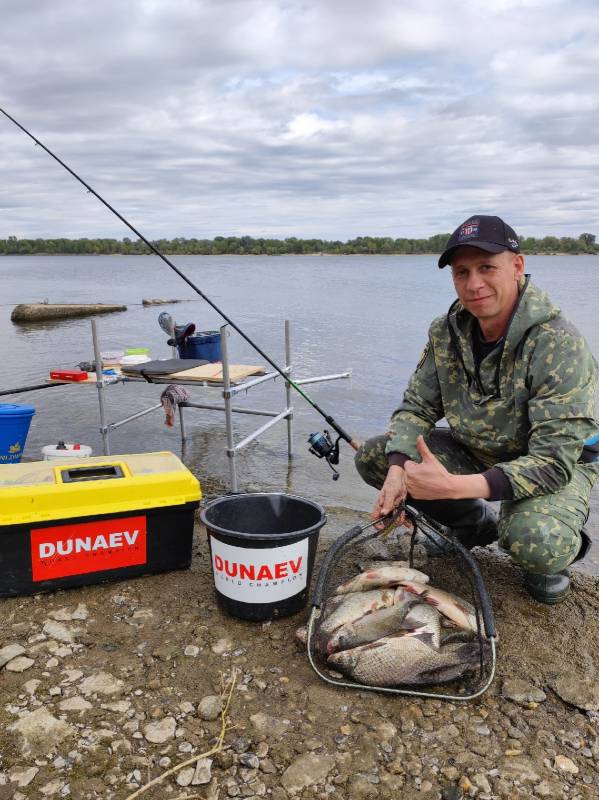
(487, 283)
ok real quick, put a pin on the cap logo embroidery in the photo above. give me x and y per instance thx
(512, 242)
(469, 229)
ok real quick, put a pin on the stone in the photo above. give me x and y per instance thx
(101, 683)
(481, 782)
(582, 692)
(520, 769)
(41, 731)
(222, 646)
(565, 764)
(159, 732)
(52, 787)
(120, 706)
(269, 726)
(452, 793)
(19, 664)
(522, 692)
(192, 650)
(210, 707)
(23, 777)
(549, 789)
(9, 652)
(249, 760)
(305, 771)
(31, 686)
(72, 675)
(203, 772)
(58, 631)
(63, 615)
(185, 776)
(360, 788)
(76, 703)
(451, 773)
(386, 731)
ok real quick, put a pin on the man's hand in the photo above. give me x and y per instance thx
(429, 480)
(391, 496)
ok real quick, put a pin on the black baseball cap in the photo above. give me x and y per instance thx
(491, 234)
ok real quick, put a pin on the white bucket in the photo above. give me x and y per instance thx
(53, 452)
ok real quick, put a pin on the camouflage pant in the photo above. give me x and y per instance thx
(542, 534)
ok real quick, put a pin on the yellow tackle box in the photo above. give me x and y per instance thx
(66, 524)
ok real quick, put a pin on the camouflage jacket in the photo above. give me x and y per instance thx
(528, 408)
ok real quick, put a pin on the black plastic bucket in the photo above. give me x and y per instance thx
(262, 548)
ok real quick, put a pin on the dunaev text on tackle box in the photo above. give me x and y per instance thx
(102, 519)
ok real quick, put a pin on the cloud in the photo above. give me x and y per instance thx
(298, 117)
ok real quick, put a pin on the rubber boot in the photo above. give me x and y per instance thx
(476, 528)
(553, 589)
(548, 589)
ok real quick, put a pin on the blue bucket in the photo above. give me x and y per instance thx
(14, 427)
(204, 345)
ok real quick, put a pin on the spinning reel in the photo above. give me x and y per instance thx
(321, 446)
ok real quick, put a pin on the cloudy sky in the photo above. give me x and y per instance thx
(328, 118)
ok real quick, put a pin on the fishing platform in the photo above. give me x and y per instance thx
(227, 379)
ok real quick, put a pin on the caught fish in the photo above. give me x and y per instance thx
(424, 619)
(383, 576)
(459, 611)
(339, 611)
(410, 659)
(347, 609)
(374, 625)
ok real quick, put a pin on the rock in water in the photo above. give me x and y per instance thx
(41, 312)
(157, 301)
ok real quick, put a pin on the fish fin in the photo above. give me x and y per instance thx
(426, 637)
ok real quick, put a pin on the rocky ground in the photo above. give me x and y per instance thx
(106, 688)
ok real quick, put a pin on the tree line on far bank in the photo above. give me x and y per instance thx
(247, 245)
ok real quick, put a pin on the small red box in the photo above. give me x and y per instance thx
(68, 375)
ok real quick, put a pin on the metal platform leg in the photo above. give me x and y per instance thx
(100, 387)
(288, 389)
(228, 408)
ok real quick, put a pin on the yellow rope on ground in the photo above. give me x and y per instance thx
(216, 749)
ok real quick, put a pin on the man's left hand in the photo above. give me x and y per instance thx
(428, 480)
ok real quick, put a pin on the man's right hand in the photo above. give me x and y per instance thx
(391, 496)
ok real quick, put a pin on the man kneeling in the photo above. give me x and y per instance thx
(516, 383)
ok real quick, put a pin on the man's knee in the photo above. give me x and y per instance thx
(539, 542)
(371, 461)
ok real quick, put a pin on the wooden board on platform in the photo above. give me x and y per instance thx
(214, 372)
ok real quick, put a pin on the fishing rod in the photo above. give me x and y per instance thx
(321, 444)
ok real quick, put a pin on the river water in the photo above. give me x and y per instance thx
(367, 314)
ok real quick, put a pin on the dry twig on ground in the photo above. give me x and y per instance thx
(227, 693)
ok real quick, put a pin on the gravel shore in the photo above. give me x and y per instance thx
(108, 687)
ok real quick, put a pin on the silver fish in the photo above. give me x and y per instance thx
(339, 611)
(410, 659)
(424, 619)
(382, 576)
(459, 611)
(375, 625)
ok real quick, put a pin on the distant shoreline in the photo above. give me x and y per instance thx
(268, 255)
(290, 246)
